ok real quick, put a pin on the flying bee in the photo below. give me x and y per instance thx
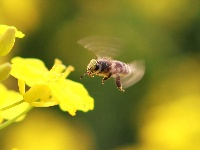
(105, 48)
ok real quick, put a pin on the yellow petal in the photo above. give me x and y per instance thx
(37, 64)
(83, 95)
(61, 92)
(29, 70)
(4, 71)
(72, 96)
(7, 40)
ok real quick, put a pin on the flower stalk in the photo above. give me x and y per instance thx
(12, 105)
(7, 123)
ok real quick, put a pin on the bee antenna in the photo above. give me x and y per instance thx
(83, 75)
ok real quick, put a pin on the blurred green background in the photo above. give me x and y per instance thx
(161, 112)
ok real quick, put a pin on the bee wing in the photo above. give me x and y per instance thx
(102, 46)
(137, 72)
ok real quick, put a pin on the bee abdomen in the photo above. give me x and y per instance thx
(120, 68)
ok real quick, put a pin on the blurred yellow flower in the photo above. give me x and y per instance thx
(5, 70)
(9, 97)
(7, 38)
(50, 87)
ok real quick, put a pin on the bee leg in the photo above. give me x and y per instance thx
(106, 78)
(118, 83)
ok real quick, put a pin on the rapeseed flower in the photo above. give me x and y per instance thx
(50, 87)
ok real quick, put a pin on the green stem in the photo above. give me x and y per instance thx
(12, 105)
(7, 123)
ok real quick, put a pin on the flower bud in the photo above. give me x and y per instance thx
(4, 71)
(7, 40)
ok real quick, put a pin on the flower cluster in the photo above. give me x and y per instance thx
(38, 86)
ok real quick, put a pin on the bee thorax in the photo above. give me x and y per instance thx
(104, 67)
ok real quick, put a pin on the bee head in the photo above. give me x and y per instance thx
(92, 66)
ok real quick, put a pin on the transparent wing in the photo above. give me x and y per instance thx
(137, 71)
(102, 46)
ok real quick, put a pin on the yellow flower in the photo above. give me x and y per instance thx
(7, 38)
(8, 97)
(50, 87)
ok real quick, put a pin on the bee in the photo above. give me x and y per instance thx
(105, 48)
